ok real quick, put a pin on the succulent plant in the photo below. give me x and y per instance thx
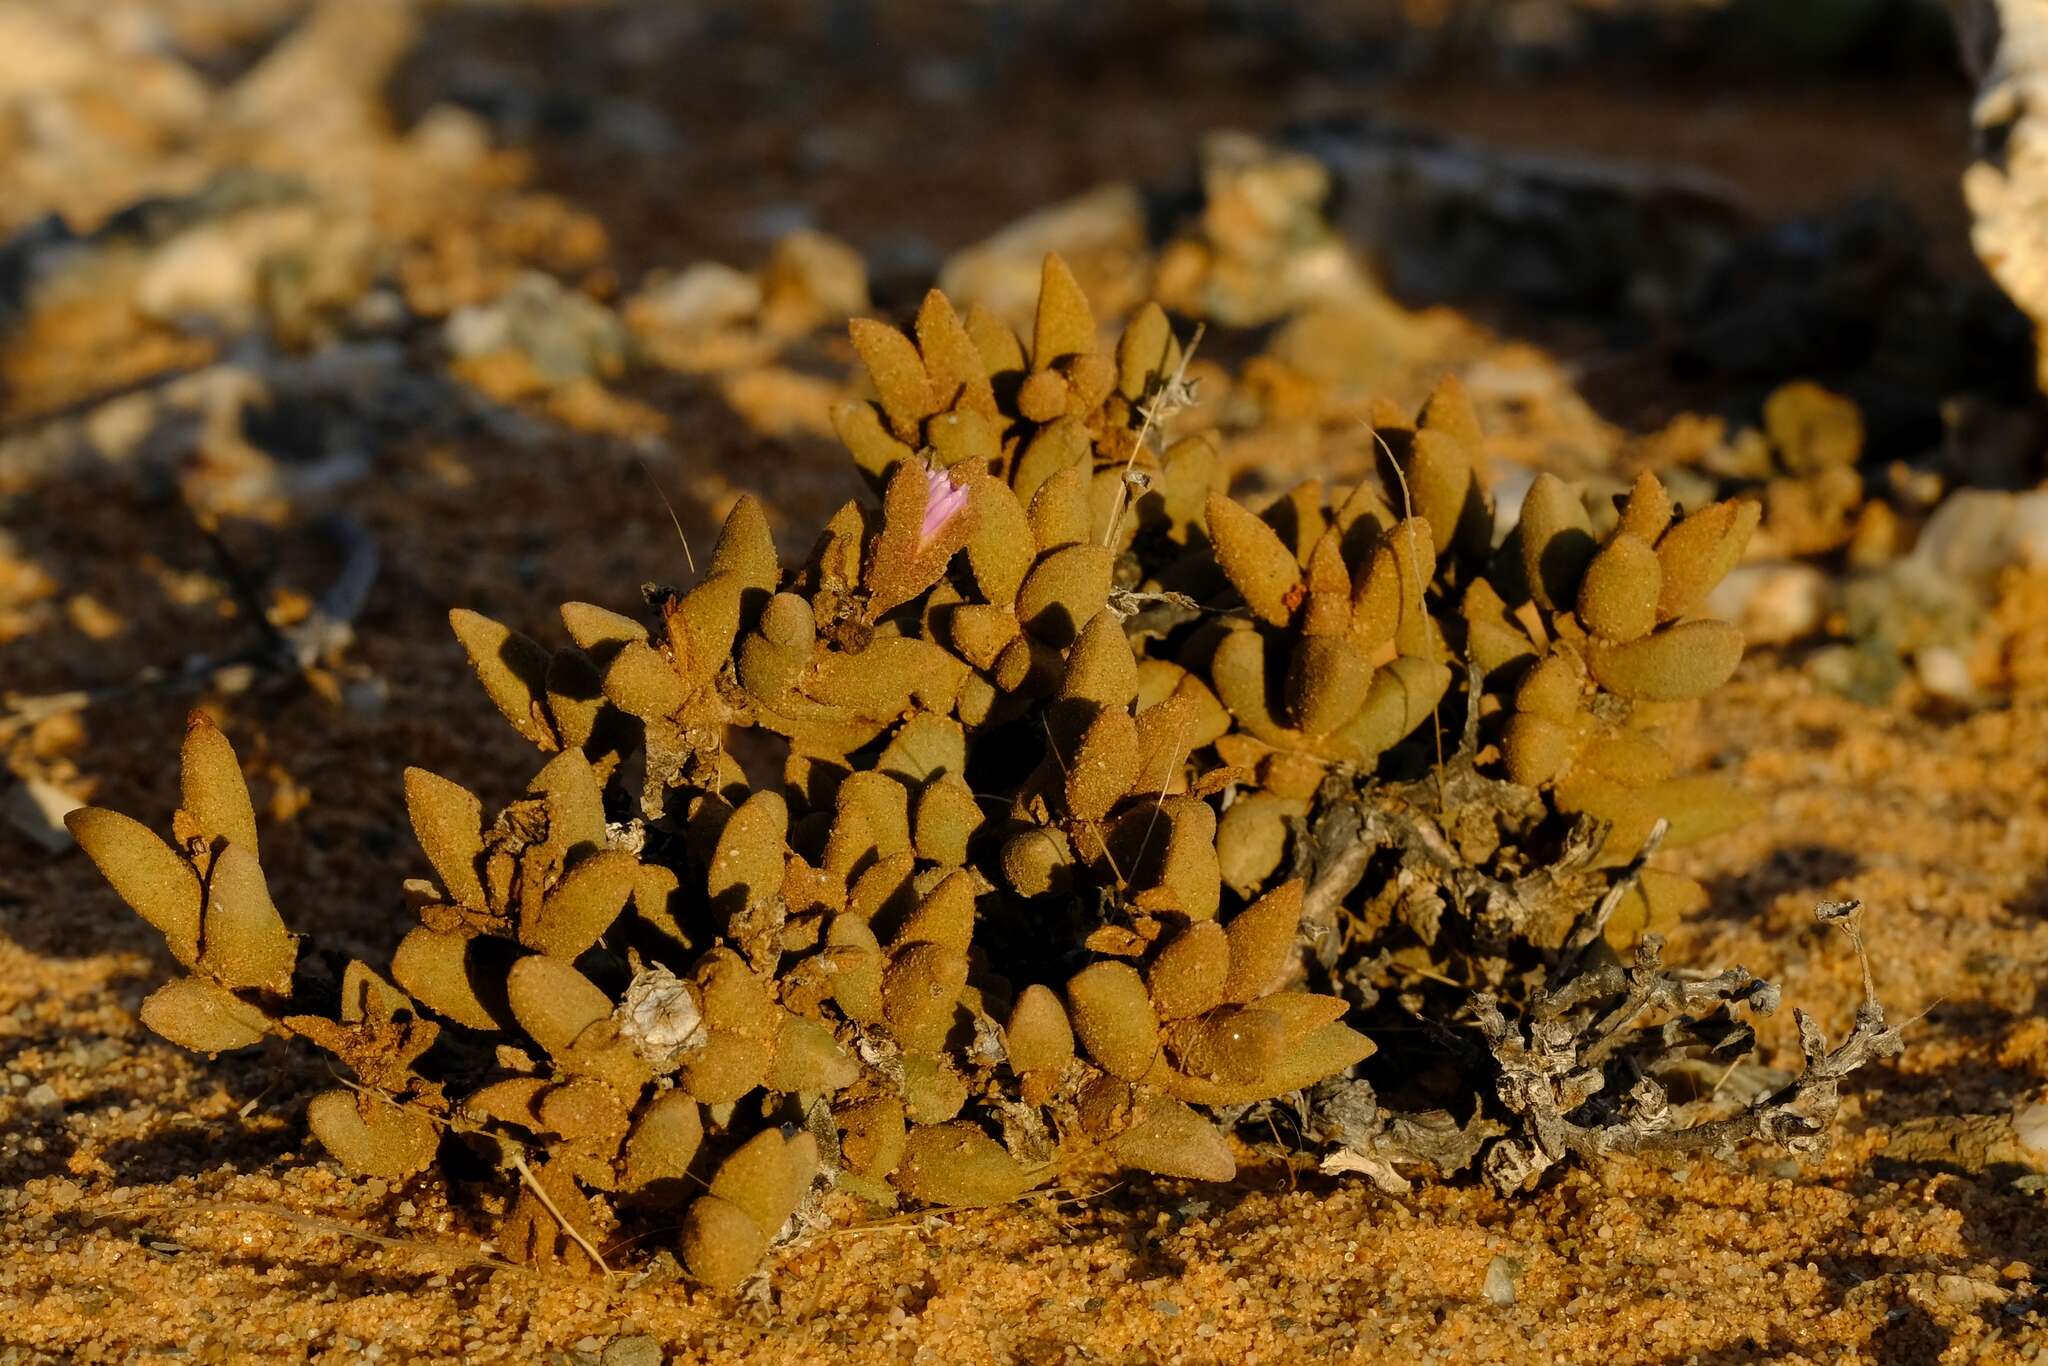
(1111, 811)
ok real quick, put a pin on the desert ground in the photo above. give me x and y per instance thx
(295, 295)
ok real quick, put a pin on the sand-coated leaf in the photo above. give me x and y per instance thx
(872, 1135)
(875, 452)
(1261, 938)
(242, 940)
(212, 791)
(1145, 354)
(1232, 1044)
(1328, 678)
(1402, 697)
(370, 1135)
(734, 997)
(1090, 380)
(920, 992)
(441, 971)
(1257, 562)
(1102, 766)
(1001, 351)
(1060, 445)
(1492, 635)
(945, 914)
(1699, 550)
(1189, 472)
(1633, 758)
(1647, 510)
(1064, 592)
(146, 872)
(767, 1175)
(948, 815)
(1188, 975)
(746, 867)
(447, 820)
(964, 443)
(959, 1166)
(1045, 396)
(1176, 863)
(1553, 688)
(1038, 862)
(554, 1002)
(999, 551)
(1064, 325)
(1618, 596)
(1680, 662)
(1168, 1139)
(1168, 735)
(1038, 1034)
(720, 1244)
(1439, 470)
(513, 1100)
(1299, 519)
(640, 682)
(1537, 748)
(1059, 510)
(1114, 1019)
(746, 547)
(855, 959)
(884, 805)
(1252, 838)
(809, 1061)
(1557, 541)
(1324, 1053)
(575, 801)
(1449, 410)
(923, 748)
(513, 669)
(704, 626)
(899, 377)
(1101, 667)
(205, 1018)
(575, 689)
(586, 1112)
(664, 1140)
(599, 630)
(954, 365)
(582, 906)
(367, 997)
(727, 1067)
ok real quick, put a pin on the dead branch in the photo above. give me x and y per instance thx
(1556, 1073)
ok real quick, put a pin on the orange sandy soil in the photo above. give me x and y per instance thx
(157, 1205)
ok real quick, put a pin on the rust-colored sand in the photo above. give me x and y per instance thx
(157, 1206)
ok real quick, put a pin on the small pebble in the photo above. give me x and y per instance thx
(2030, 1124)
(639, 1350)
(1500, 1281)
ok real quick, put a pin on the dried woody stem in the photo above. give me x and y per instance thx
(1554, 1078)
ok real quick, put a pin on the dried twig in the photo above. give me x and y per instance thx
(540, 1193)
(1594, 924)
(1573, 1053)
(1172, 394)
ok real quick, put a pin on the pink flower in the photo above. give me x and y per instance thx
(943, 501)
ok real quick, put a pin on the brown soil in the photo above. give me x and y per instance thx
(154, 1204)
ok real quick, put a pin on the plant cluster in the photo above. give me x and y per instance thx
(1109, 811)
